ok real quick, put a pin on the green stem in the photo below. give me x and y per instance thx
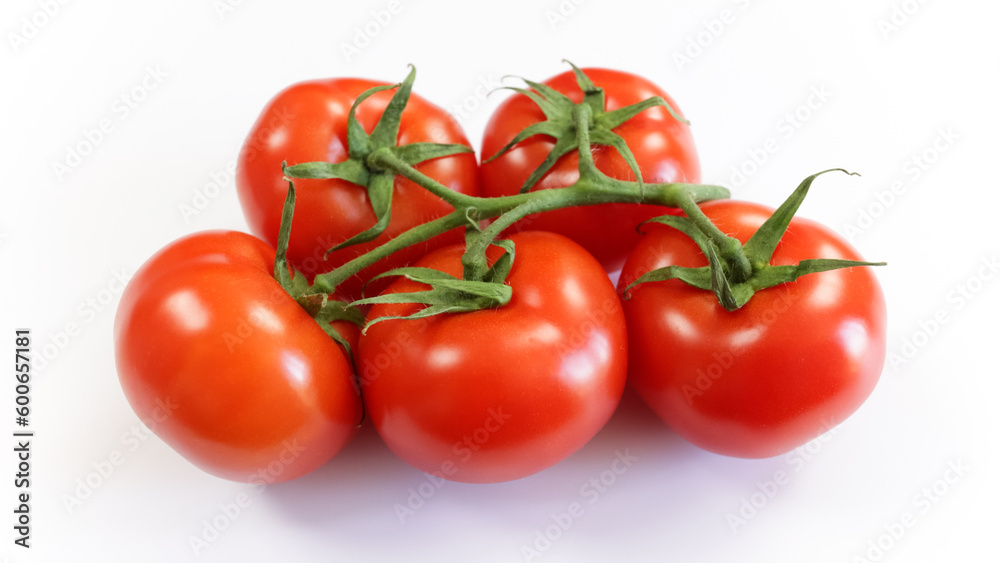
(474, 264)
(730, 248)
(384, 159)
(584, 192)
(582, 115)
(329, 281)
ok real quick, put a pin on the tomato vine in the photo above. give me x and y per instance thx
(735, 272)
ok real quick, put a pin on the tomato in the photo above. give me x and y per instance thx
(307, 122)
(499, 394)
(794, 361)
(662, 145)
(224, 366)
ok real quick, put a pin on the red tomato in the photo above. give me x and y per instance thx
(225, 367)
(662, 145)
(499, 394)
(307, 122)
(796, 360)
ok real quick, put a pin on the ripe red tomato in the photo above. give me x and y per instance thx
(307, 122)
(499, 394)
(227, 368)
(662, 145)
(760, 381)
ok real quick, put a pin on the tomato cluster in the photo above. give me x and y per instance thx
(495, 393)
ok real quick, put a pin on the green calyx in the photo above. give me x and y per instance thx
(367, 154)
(448, 294)
(736, 272)
(561, 123)
(316, 303)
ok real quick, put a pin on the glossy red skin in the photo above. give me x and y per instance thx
(550, 364)
(796, 360)
(307, 122)
(662, 145)
(226, 367)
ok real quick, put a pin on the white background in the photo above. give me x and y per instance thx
(890, 95)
